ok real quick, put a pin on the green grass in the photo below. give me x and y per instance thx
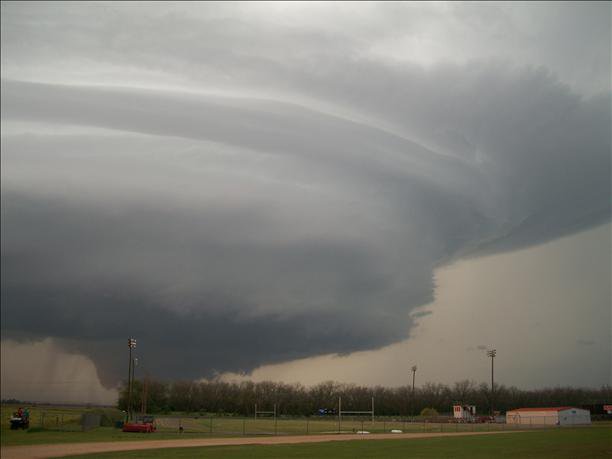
(55, 424)
(15, 438)
(58, 417)
(62, 425)
(574, 443)
(302, 426)
(69, 431)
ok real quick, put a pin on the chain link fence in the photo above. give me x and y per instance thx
(219, 425)
(71, 420)
(236, 426)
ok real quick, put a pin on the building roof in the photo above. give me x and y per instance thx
(555, 408)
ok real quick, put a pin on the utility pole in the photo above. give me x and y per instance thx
(372, 410)
(414, 369)
(492, 353)
(339, 412)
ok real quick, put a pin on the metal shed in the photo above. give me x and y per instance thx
(561, 415)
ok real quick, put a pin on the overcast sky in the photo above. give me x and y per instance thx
(240, 185)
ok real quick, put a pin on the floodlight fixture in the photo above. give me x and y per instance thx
(492, 353)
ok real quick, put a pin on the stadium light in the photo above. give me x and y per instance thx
(131, 345)
(492, 353)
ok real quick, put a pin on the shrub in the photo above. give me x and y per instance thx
(429, 412)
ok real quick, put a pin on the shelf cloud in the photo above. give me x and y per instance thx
(240, 187)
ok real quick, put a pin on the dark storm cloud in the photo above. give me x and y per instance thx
(190, 344)
(191, 291)
(226, 231)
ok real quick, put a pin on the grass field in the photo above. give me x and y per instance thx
(57, 424)
(303, 426)
(575, 443)
(62, 425)
(50, 416)
(230, 428)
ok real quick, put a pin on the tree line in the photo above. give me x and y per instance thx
(239, 398)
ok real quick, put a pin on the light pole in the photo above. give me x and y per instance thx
(492, 353)
(134, 365)
(414, 369)
(131, 345)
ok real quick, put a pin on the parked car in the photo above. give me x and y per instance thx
(142, 424)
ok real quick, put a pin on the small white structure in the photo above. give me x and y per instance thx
(561, 416)
(464, 412)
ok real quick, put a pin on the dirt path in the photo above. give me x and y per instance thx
(65, 449)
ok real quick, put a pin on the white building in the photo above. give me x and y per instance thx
(562, 415)
(464, 412)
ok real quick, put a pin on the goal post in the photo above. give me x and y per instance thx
(273, 413)
(342, 412)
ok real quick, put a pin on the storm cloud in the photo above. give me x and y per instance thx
(236, 190)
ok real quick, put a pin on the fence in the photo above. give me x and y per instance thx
(70, 421)
(236, 426)
(90, 421)
(60, 419)
(215, 425)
